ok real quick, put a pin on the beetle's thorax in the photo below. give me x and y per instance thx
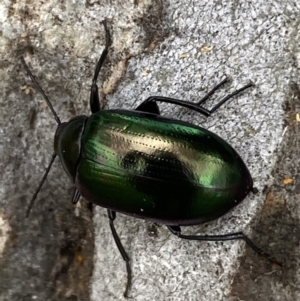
(67, 143)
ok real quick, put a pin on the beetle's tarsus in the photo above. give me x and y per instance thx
(258, 250)
(128, 285)
(176, 230)
(252, 83)
(213, 90)
(112, 215)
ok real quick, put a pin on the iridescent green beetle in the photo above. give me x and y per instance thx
(151, 167)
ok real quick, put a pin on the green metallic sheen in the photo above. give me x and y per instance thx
(158, 169)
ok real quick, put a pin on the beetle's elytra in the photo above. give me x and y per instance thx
(155, 168)
(151, 167)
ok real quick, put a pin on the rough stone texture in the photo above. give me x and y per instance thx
(178, 49)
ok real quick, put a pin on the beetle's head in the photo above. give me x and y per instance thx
(67, 143)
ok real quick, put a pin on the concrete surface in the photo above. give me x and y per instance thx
(172, 48)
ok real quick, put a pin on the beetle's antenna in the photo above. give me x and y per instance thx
(40, 185)
(58, 122)
(40, 90)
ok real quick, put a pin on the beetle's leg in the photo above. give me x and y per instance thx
(195, 106)
(148, 107)
(212, 91)
(176, 230)
(183, 103)
(94, 98)
(226, 98)
(112, 216)
(75, 196)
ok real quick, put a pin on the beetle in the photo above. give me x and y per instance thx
(155, 168)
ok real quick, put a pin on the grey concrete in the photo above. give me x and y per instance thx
(178, 49)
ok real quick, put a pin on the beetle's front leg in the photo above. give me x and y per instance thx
(112, 216)
(94, 97)
(176, 230)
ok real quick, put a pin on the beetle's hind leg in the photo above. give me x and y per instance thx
(94, 97)
(112, 216)
(191, 105)
(176, 230)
